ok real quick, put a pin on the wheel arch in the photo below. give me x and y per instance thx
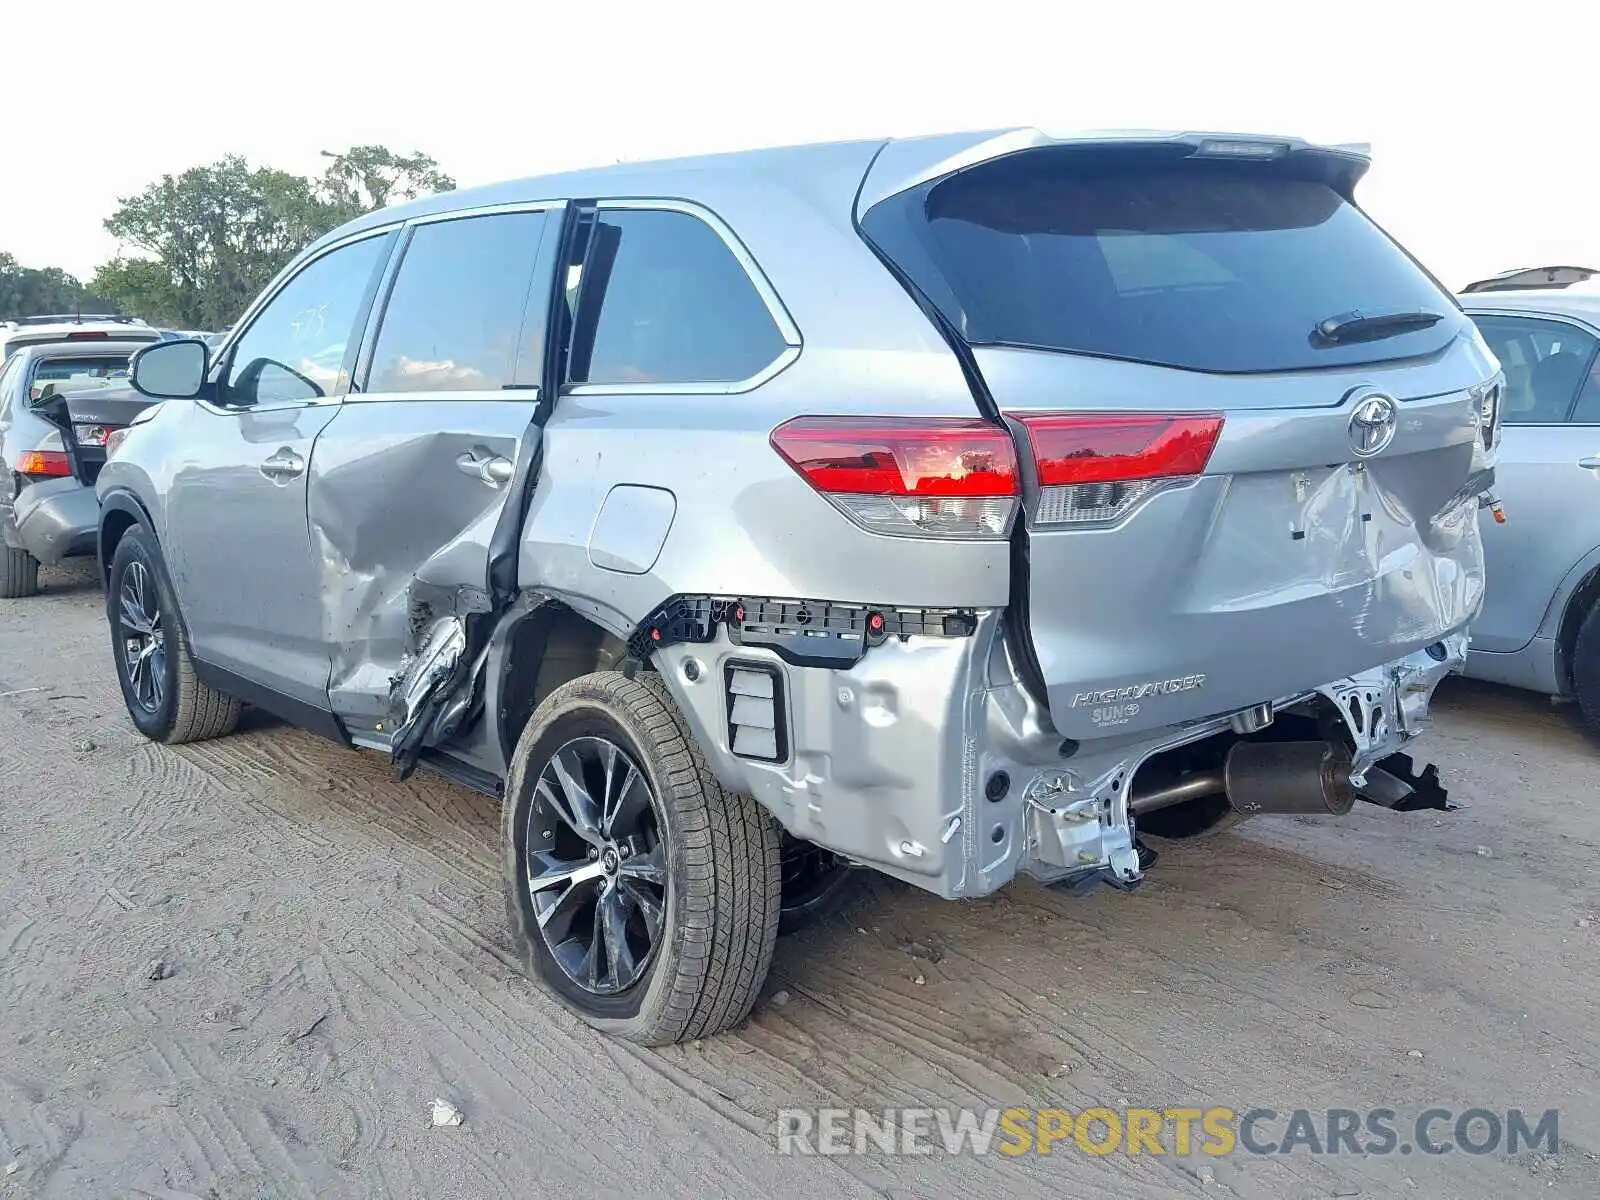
(539, 645)
(120, 511)
(1583, 598)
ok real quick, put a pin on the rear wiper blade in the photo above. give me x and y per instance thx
(1370, 324)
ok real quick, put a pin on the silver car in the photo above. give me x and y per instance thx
(1540, 626)
(954, 507)
(59, 401)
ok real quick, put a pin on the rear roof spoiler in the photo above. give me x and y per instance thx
(1532, 278)
(905, 163)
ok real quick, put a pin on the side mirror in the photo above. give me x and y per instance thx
(173, 370)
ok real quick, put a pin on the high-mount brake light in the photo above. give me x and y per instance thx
(1240, 148)
(949, 477)
(1095, 467)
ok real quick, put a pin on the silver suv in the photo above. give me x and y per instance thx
(944, 506)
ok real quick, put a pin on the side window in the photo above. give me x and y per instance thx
(294, 351)
(1545, 363)
(455, 315)
(1587, 411)
(662, 299)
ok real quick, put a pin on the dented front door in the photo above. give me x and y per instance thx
(409, 481)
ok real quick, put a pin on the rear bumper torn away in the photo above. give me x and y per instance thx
(925, 757)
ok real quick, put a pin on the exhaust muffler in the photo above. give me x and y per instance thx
(1267, 777)
(1288, 777)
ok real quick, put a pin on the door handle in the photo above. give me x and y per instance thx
(283, 466)
(492, 469)
(1592, 462)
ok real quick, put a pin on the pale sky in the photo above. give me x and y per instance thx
(1484, 131)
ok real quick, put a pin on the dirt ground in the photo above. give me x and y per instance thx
(339, 958)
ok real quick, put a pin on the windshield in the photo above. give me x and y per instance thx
(1195, 263)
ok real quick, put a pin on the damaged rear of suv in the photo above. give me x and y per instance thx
(954, 507)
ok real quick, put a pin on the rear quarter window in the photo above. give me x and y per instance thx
(1199, 264)
(662, 299)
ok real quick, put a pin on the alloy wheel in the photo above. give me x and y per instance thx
(596, 865)
(143, 641)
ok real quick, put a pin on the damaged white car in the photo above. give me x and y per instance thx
(954, 507)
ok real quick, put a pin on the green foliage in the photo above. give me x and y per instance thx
(211, 238)
(367, 177)
(27, 291)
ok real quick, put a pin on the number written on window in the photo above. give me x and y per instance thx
(294, 351)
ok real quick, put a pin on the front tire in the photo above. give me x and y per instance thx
(1586, 668)
(639, 891)
(19, 574)
(165, 699)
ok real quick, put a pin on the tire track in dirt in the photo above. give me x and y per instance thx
(341, 958)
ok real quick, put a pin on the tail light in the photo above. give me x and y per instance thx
(1488, 398)
(947, 477)
(114, 440)
(1094, 467)
(44, 464)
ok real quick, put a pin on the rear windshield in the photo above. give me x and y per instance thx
(74, 374)
(1206, 265)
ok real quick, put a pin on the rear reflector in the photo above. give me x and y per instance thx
(916, 476)
(1095, 467)
(44, 463)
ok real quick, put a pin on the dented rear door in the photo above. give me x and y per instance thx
(409, 481)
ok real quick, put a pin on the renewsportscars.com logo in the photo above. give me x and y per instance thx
(1178, 1131)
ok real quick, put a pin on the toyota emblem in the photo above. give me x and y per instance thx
(1372, 424)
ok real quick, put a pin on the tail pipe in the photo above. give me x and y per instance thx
(1267, 777)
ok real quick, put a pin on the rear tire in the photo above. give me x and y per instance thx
(19, 574)
(1586, 668)
(656, 909)
(165, 699)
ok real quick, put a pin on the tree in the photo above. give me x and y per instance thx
(367, 177)
(214, 236)
(208, 240)
(28, 291)
(141, 286)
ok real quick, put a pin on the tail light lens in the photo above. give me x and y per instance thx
(44, 464)
(1488, 397)
(1095, 467)
(947, 477)
(114, 440)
